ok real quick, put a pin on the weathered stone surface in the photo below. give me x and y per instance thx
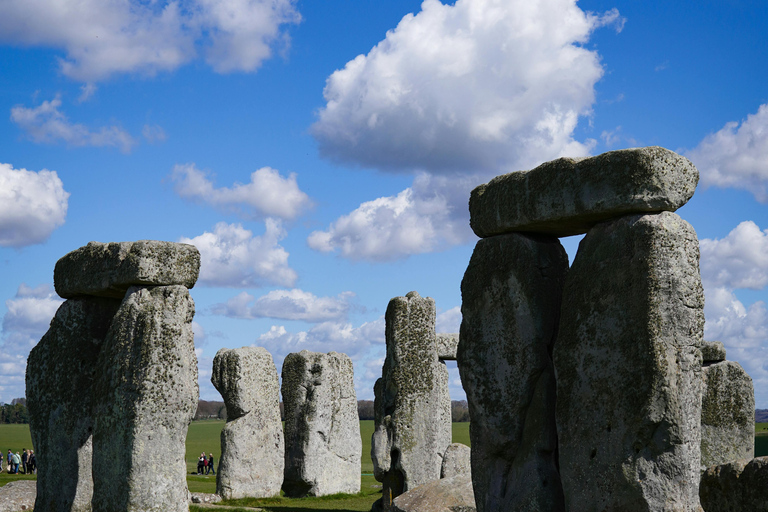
(108, 270)
(510, 306)
(727, 414)
(738, 486)
(568, 196)
(447, 344)
(629, 368)
(19, 495)
(145, 397)
(252, 446)
(457, 461)
(60, 377)
(712, 352)
(447, 495)
(412, 405)
(323, 448)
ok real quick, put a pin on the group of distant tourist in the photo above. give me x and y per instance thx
(26, 460)
(205, 465)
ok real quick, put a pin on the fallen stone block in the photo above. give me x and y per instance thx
(568, 196)
(629, 368)
(510, 305)
(145, 396)
(727, 414)
(109, 269)
(452, 494)
(738, 486)
(60, 377)
(323, 448)
(252, 446)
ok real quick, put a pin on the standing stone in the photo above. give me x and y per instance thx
(146, 395)
(412, 405)
(452, 494)
(712, 352)
(738, 486)
(568, 196)
(447, 345)
(323, 448)
(510, 306)
(252, 448)
(60, 375)
(629, 368)
(457, 461)
(727, 414)
(108, 270)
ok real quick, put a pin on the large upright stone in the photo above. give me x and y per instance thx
(738, 486)
(727, 414)
(252, 447)
(323, 448)
(568, 196)
(60, 375)
(447, 345)
(108, 270)
(510, 306)
(412, 406)
(629, 368)
(145, 395)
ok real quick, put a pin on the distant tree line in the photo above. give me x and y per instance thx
(14, 412)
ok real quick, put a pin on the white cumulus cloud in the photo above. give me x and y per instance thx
(478, 85)
(430, 215)
(740, 260)
(32, 205)
(104, 37)
(46, 123)
(267, 194)
(292, 304)
(736, 156)
(232, 256)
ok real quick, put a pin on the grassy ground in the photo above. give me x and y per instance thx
(16, 438)
(761, 439)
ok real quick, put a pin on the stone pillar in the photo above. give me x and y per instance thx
(323, 448)
(60, 374)
(252, 447)
(145, 397)
(510, 306)
(628, 368)
(412, 404)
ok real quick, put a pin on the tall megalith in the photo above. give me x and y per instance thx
(145, 397)
(628, 367)
(412, 405)
(252, 446)
(60, 377)
(323, 448)
(510, 306)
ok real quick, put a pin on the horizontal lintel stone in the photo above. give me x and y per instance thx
(568, 196)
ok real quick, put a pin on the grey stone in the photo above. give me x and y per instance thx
(447, 495)
(19, 495)
(412, 406)
(447, 344)
(727, 414)
(629, 368)
(252, 446)
(712, 352)
(510, 305)
(323, 448)
(108, 270)
(60, 379)
(456, 461)
(738, 486)
(568, 196)
(145, 397)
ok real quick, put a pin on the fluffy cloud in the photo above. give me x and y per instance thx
(287, 305)
(430, 215)
(738, 261)
(267, 194)
(232, 256)
(449, 321)
(480, 84)
(736, 156)
(32, 205)
(27, 318)
(103, 37)
(46, 123)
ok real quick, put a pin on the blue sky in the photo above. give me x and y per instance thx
(321, 154)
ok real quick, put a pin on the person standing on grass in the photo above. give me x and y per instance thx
(24, 457)
(32, 462)
(201, 463)
(16, 461)
(210, 465)
(10, 461)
